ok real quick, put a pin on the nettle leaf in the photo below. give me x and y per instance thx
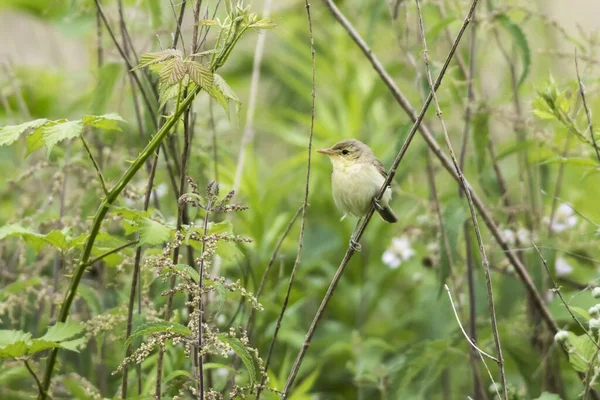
(156, 327)
(167, 93)
(157, 57)
(153, 232)
(19, 343)
(201, 75)
(14, 343)
(238, 347)
(63, 330)
(59, 131)
(173, 72)
(191, 272)
(520, 41)
(58, 239)
(223, 93)
(9, 134)
(107, 121)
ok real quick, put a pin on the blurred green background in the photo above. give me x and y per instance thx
(389, 331)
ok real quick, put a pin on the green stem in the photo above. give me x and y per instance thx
(37, 381)
(96, 166)
(99, 217)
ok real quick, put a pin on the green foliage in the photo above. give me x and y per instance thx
(43, 132)
(243, 354)
(14, 344)
(521, 44)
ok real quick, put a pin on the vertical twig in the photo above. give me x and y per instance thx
(304, 203)
(467, 191)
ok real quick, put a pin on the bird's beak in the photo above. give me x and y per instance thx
(329, 152)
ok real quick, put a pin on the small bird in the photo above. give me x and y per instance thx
(356, 180)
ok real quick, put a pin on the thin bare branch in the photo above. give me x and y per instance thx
(586, 108)
(417, 123)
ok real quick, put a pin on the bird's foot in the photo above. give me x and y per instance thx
(354, 245)
(376, 204)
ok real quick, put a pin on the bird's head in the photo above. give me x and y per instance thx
(347, 153)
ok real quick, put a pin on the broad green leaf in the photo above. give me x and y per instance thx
(156, 327)
(14, 343)
(59, 131)
(242, 353)
(107, 121)
(153, 232)
(73, 344)
(63, 330)
(10, 133)
(36, 240)
(38, 345)
(34, 141)
(520, 41)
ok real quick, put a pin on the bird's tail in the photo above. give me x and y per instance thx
(387, 214)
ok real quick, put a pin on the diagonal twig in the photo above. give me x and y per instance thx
(585, 107)
(417, 122)
(484, 260)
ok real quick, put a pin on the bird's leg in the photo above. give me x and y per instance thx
(353, 243)
(376, 204)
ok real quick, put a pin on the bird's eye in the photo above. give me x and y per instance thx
(344, 152)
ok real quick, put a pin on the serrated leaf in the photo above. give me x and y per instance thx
(57, 239)
(191, 272)
(9, 337)
(173, 72)
(10, 133)
(201, 75)
(520, 41)
(34, 141)
(242, 353)
(73, 344)
(156, 57)
(61, 130)
(63, 330)
(106, 121)
(153, 232)
(156, 327)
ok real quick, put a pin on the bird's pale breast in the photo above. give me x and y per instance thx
(355, 186)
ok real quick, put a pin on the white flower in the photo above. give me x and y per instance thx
(549, 296)
(398, 252)
(402, 247)
(509, 236)
(596, 292)
(562, 267)
(564, 218)
(594, 324)
(390, 259)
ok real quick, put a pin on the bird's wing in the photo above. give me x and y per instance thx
(380, 168)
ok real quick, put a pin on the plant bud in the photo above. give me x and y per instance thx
(596, 293)
(561, 336)
(594, 324)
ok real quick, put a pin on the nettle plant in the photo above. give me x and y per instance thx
(80, 246)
